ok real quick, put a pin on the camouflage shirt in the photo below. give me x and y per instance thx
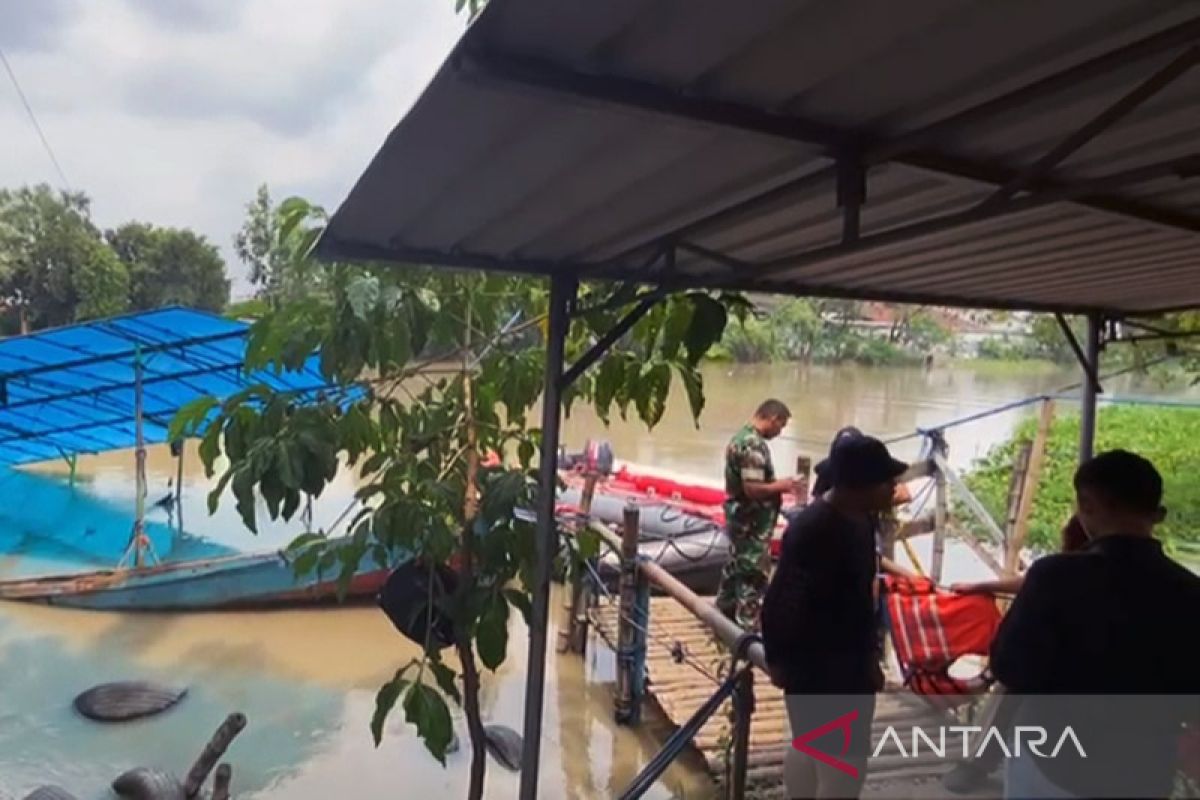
(747, 458)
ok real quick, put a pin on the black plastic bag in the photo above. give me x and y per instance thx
(405, 600)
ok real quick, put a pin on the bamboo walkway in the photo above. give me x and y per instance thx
(679, 689)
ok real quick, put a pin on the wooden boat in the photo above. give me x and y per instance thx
(252, 580)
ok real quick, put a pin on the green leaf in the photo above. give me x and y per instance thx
(492, 632)
(609, 378)
(288, 460)
(693, 385)
(189, 416)
(676, 327)
(385, 701)
(650, 394)
(363, 295)
(210, 448)
(214, 497)
(501, 495)
(706, 326)
(425, 708)
(521, 601)
(243, 490)
(306, 562)
(588, 542)
(445, 679)
(525, 452)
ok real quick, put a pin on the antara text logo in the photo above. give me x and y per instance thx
(1026, 738)
(1032, 738)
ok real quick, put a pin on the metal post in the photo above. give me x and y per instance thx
(743, 713)
(626, 700)
(640, 639)
(1087, 416)
(562, 291)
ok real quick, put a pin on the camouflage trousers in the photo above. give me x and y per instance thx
(744, 578)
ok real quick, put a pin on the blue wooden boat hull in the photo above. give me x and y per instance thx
(240, 581)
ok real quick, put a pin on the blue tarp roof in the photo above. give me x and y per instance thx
(71, 390)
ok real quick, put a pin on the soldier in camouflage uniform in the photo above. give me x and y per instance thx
(753, 497)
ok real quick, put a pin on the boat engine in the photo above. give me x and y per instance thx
(597, 457)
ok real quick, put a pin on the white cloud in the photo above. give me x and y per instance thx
(173, 111)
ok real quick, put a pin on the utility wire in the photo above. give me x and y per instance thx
(33, 119)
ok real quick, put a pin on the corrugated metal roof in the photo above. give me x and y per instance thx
(701, 142)
(72, 390)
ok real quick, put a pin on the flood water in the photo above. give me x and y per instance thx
(307, 679)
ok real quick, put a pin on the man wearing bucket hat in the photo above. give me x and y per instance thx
(818, 616)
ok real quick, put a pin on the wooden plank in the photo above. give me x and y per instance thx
(1037, 457)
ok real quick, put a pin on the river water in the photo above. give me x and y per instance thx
(307, 679)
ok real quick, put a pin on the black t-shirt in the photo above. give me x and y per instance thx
(1116, 618)
(818, 615)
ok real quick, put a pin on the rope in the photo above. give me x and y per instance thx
(672, 646)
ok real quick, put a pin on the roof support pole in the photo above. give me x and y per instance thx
(851, 193)
(562, 294)
(1091, 388)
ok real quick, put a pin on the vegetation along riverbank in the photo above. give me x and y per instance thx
(1167, 435)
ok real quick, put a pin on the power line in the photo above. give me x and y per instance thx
(33, 119)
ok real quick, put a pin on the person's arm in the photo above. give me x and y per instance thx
(1026, 643)
(999, 586)
(752, 465)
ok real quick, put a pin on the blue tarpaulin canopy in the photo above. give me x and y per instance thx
(71, 390)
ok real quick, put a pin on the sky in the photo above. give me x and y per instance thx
(174, 111)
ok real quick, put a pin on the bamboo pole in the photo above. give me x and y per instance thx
(572, 636)
(941, 519)
(139, 520)
(1016, 490)
(626, 711)
(1037, 457)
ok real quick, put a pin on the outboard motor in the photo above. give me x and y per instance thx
(596, 457)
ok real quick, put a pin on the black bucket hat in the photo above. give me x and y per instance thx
(857, 462)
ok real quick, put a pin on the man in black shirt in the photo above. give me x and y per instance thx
(1118, 618)
(818, 618)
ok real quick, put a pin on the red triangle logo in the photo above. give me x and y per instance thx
(842, 723)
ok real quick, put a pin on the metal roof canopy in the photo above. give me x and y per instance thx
(74, 389)
(1035, 155)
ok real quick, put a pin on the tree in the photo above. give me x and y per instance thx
(53, 261)
(270, 244)
(444, 459)
(170, 266)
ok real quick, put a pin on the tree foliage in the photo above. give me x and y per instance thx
(275, 249)
(54, 263)
(170, 266)
(435, 374)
